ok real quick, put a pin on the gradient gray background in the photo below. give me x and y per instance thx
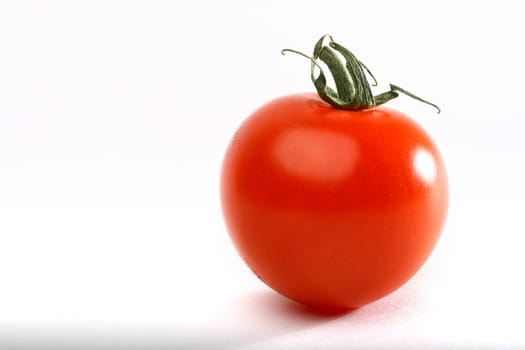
(114, 116)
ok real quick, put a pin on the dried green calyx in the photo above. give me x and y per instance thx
(352, 89)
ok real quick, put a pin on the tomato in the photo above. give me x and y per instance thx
(332, 208)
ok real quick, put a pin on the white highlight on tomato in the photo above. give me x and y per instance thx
(316, 154)
(425, 165)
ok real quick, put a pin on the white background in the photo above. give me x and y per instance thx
(114, 117)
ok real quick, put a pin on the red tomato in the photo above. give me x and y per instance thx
(329, 207)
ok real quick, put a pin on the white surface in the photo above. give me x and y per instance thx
(114, 117)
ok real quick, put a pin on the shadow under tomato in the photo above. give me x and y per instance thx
(294, 309)
(258, 316)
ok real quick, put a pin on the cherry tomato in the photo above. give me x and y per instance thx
(329, 207)
(331, 199)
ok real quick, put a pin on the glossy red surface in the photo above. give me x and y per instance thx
(333, 208)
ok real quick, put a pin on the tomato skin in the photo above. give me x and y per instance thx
(329, 207)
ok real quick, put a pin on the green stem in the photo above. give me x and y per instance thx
(343, 85)
(353, 91)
